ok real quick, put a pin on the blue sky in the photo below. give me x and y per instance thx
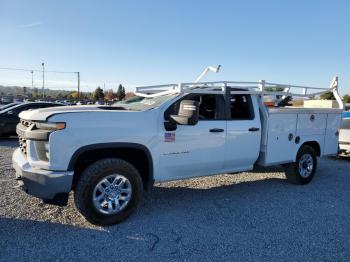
(153, 42)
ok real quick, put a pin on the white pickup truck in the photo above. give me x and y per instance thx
(108, 155)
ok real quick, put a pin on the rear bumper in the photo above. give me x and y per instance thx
(344, 146)
(40, 183)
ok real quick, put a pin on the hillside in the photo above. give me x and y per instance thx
(31, 92)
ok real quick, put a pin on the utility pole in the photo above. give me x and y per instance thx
(32, 72)
(43, 65)
(78, 85)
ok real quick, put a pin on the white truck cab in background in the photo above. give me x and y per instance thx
(109, 154)
(344, 134)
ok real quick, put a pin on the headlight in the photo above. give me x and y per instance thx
(50, 125)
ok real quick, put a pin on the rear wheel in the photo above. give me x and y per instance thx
(303, 170)
(108, 191)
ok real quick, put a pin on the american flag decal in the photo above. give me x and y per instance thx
(169, 137)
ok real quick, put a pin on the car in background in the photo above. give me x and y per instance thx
(67, 102)
(344, 134)
(26, 100)
(9, 117)
(3, 107)
(6, 99)
(346, 107)
(18, 100)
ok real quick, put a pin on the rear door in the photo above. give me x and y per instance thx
(197, 150)
(243, 133)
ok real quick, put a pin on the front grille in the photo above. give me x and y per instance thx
(22, 140)
(26, 123)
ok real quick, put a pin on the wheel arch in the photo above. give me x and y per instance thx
(136, 154)
(314, 144)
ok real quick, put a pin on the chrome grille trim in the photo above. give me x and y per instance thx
(23, 144)
(22, 140)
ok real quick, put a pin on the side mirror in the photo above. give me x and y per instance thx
(188, 113)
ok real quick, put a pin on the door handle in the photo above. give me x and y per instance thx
(216, 130)
(253, 129)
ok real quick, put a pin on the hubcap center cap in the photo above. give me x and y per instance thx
(306, 165)
(112, 194)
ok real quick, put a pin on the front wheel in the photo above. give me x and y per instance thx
(108, 191)
(303, 170)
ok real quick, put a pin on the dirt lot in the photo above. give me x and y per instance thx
(249, 216)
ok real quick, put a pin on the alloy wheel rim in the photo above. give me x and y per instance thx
(112, 194)
(306, 165)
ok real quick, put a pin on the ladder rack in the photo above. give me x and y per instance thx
(239, 87)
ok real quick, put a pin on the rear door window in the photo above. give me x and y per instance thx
(241, 107)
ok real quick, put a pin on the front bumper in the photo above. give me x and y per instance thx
(40, 183)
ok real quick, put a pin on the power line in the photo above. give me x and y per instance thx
(33, 70)
(17, 69)
(46, 71)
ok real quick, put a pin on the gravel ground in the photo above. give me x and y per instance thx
(248, 216)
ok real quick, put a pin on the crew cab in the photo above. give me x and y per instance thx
(109, 155)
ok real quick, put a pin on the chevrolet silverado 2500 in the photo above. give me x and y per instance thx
(108, 155)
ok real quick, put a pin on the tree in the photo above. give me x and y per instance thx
(274, 89)
(121, 92)
(327, 96)
(346, 98)
(129, 95)
(86, 95)
(35, 92)
(98, 94)
(110, 95)
(73, 95)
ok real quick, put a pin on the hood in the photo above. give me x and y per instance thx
(43, 114)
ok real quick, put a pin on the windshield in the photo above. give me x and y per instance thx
(7, 106)
(10, 108)
(140, 103)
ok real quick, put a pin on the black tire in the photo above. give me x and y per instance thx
(91, 176)
(292, 170)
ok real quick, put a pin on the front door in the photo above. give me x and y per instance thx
(197, 150)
